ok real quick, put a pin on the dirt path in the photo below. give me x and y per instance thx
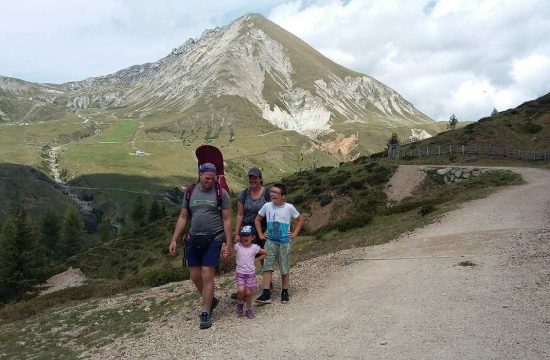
(403, 182)
(409, 299)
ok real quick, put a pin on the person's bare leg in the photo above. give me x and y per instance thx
(195, 273)
(268, 275)
(207, 286)
(285, 279)
(248, 296)
(241, 294)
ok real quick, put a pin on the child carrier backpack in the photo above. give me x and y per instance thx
(213, 155)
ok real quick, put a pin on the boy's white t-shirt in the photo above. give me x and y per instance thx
(278, 220)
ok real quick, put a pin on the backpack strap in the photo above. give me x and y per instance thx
(188, 194)
(219, 193)
(246, 192)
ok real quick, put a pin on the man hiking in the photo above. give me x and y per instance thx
(208, 207)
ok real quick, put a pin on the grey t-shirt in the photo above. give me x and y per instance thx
(206, 217)
(251, 207)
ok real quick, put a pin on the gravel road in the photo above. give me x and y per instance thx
(474, 285)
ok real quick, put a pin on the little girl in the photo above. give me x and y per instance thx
(246, 270)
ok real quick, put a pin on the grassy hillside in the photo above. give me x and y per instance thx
(25, 185)
(524, 127)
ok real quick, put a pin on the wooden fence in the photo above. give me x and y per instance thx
(397, 152)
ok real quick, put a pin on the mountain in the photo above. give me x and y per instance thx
(261, 94)
(272, 73)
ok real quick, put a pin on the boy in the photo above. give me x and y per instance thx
(278, 237)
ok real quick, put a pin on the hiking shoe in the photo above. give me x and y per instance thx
(206, 320)
(249, 314)
(215, 302)
(240, 310)
(284, 297)
(265, 298)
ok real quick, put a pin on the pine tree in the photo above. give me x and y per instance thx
(138, 212)
(155, 212)
(50, 231)
(22, 261)
(494, 112)
(104, 230)
(71, 232)
(393, 141)
(452, 122)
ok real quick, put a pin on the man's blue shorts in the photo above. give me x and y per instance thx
(209, 257)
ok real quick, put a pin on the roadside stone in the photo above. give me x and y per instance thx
(443, 172)
(458, 173)
(466, 175)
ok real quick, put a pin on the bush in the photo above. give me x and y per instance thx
(353, 221)
(339, 178)
(531, 128)
(160, 276)
(323, 169)
(324, 199)
(356, 184)
(370, 201)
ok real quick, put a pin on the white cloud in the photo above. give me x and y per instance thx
(437, 53)
(447, 56)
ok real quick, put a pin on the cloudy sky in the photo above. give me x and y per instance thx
(446, 57)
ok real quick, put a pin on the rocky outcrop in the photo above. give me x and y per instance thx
(457, 174)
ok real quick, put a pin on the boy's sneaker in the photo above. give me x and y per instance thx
(215, 302)
(265, 298)
(249, 314)
(284, 297)
(206, 320)
(240, 310)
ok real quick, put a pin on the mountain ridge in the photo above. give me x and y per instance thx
(293, 85)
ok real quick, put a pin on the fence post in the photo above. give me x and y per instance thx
(428, 151)
(439, 150)
(545, 155)
(462, 149)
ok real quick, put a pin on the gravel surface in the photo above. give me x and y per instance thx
(474, 285)
(403, 182)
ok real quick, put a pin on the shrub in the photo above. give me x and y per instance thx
(339, 178)
(531, 128)
(353, 221)
(356, 184)
(324, 199)
(370, 201)
(323, 169)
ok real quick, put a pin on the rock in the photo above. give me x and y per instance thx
(466, 175)
(458, 173)
(476, 173)
(443, 172)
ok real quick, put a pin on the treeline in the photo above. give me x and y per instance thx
(32, 251)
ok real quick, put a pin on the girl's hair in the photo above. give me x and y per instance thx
(280, 186)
